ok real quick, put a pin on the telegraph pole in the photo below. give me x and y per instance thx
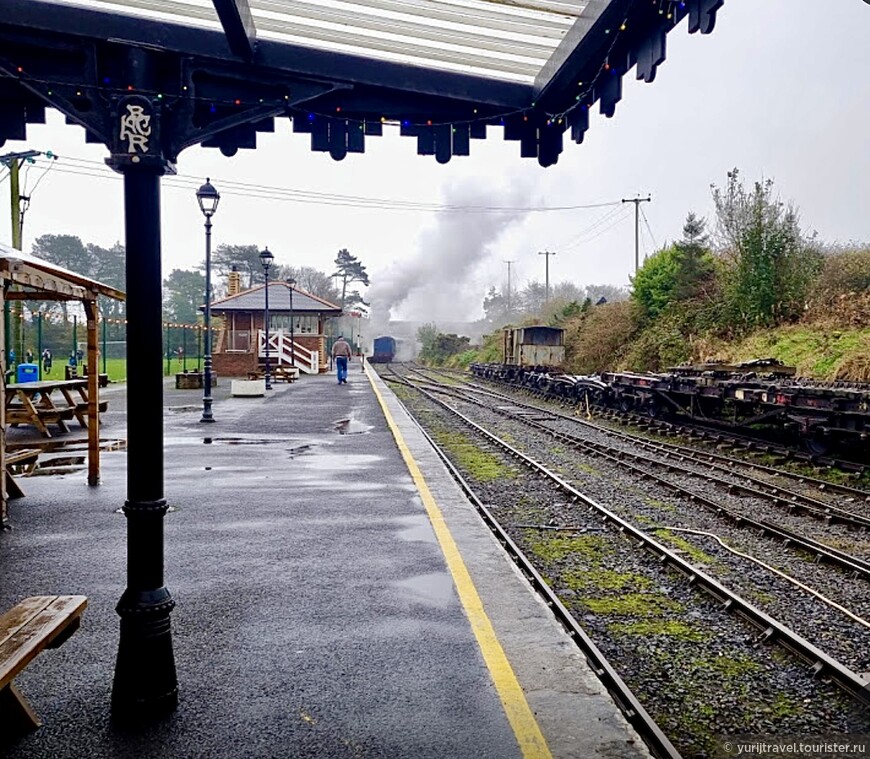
(509, 310)
(13, 161)
(546, 253)
(637, 202)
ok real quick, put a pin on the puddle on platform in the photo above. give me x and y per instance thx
(299, 450)
(433, 589)
(352, 426)
(182, 409)
(341, 462)
(416, 530)
(240, 441)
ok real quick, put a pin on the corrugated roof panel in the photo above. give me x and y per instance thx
(200, 13)
(499, 39)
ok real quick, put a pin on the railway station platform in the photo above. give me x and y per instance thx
(337, 596)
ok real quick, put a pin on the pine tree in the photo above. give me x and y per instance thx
(349, 268)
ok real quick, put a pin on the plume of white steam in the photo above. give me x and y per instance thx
(436, 282)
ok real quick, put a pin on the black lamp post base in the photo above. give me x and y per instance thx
(145, 686)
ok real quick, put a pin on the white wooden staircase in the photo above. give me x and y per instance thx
(282, 350)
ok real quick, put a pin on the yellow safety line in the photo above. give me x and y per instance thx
(519, 714)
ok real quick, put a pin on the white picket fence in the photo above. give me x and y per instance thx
(283, 351)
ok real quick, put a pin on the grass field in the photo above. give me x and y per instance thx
(116, 368)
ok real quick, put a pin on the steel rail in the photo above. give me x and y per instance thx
(727, 432)
(773, 471)
(788, 498)
(854, 564)
(628, 703)
(821, 664)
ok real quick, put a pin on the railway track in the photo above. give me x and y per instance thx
(641, 465)
(820, 663)
(672, 461)
(719, 433)
(705, 457)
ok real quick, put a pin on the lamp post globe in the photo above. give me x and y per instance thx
(266, 259)
(208, 198)
(292, 283)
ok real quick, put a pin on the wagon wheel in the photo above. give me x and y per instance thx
(656, 410)
(817, 443)
(626, 403)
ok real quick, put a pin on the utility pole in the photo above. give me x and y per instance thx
(509, 310)
(546, 253)
(637, 202)
(13, 161)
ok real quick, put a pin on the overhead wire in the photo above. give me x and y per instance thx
(85, 167)
(620, 216)
(41, 177)
(649, 229)
(577, 236)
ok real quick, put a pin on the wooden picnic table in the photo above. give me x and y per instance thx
(280, 373)
(48, 402)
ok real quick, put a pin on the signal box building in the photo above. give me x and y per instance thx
(297, 330)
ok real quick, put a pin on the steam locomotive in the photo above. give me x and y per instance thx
(383, 350)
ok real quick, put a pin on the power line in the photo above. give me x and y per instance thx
(649, 229)
(259, 191)
(608, 220)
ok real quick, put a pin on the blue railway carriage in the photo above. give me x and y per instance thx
(383, 350)
(529, 347)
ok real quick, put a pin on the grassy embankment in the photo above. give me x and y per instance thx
(822, 346)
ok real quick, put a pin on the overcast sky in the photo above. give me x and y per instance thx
(780, 90)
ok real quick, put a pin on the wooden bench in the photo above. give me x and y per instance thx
(24, 458)
(277, 374)
(17, 414)
(36, 623)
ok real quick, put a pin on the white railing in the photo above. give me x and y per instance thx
(282, 350)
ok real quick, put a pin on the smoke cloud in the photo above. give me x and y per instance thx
(437, 282)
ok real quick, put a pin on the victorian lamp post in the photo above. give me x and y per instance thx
(266, 259)
(292, 283)
(208, 198)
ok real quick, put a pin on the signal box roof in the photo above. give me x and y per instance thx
(254, 300)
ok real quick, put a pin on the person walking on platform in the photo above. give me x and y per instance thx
(342, 353)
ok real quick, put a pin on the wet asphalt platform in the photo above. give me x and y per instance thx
(317, 614)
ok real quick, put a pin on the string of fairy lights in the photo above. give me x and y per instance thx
(666, 9)
(98, 170)
(60, 319)
(583, 99)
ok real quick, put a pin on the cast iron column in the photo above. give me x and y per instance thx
(292, 332)
(266, 325)
(207, 415)
(145, 682)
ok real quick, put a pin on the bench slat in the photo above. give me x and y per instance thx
(14, 619)
(23, 454)
(32, 626)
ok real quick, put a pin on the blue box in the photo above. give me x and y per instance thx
(27, 373)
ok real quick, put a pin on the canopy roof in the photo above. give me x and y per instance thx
(254, 300)
(37, 277)
(501, 40)
(442, 70)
